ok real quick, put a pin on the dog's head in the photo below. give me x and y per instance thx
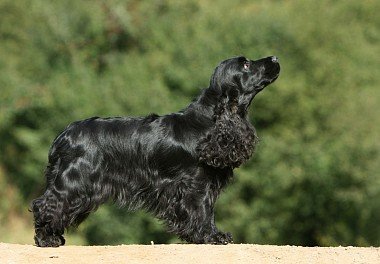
(236, 81)
(240, 79)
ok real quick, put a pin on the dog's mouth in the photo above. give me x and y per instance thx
(271, 75)
(265, 82)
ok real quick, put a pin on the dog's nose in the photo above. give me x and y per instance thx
(275, 59)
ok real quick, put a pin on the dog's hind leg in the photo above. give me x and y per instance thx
(59, 207)
(49, 222)
(54, 212)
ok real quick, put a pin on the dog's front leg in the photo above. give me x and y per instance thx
(195, 222)
(217, 237)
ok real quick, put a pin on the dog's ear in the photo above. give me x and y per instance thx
(232, 139)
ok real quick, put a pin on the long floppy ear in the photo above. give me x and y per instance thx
(232, 140)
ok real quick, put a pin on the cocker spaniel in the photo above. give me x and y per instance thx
(173, 166)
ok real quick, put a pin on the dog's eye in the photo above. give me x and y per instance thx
(246, 65)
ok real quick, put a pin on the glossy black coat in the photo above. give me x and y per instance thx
(173, 166)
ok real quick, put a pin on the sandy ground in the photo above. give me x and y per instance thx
(182, 253)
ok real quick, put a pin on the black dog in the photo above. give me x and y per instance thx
(173, 166)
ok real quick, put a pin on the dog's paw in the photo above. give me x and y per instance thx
(49, 241)
(220, 238)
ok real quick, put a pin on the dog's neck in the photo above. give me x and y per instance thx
(205, 104)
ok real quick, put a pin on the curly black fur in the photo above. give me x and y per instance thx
(173, 166)
(230, 142)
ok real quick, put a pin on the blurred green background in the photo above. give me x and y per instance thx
(314, 179)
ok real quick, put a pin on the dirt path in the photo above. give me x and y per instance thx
(239, 253)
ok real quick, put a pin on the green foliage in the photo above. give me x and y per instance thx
(314, 179)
